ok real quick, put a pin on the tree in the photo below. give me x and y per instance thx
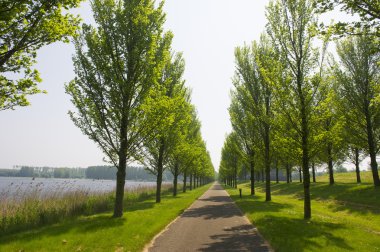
(253, 79)
(171, 104)
(368, 11)
(231, 159)
(185, 151)
(359, 85)
(289, 25)
(26, 26)
(245, 127)
(331, 124)
(116, 65)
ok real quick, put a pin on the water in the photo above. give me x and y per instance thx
(19, 186)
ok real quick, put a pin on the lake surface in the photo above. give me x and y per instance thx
(20, 186)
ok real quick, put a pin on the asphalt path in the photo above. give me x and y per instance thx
(211, 223)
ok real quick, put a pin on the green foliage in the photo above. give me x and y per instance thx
(26, 26)
(116, 65)
(368, 11)
(358, 79)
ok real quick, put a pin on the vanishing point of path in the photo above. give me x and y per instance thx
(212, 223)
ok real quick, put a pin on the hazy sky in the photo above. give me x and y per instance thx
(206, 31)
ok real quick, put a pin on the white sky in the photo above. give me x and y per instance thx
(206, 31)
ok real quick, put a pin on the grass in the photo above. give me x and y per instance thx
(348, 177)
(143, 219)
(33, 208)
(345, 216)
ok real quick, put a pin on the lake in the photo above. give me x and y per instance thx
(11, 187)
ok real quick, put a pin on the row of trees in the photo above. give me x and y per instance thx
(130, 95)
(294, 104)
(129, 90)
(136, 173)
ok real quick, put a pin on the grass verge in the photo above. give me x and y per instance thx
(345, 217)
(142, 220)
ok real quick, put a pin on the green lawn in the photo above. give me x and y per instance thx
(345, 216)
(142, 220)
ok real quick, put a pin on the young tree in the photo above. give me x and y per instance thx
(116, 64)
(26, 26)
(330, 124)
(289, 23)
(231, 159)
(246, 129)
(359, 81)
(253, 80)
(185, 151)
(171, 103)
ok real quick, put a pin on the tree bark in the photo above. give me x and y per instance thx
(191, 181)
(252, 166)
(313, 171)
(267, 164)
(184, 181)
(276, 164)
(305, 154)
(120, 174)
(357, 168)
(120, 183)
(372, 148)
(300, 174)
(160, 167)
(175, 179)
(287, 173)
(330, 163)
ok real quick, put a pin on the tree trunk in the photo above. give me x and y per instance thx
(160, 168)
(235, 177)
(184, 181)
(305, 153)
(176, 168)
(252, 166)
(120, 176)
(372, 148)
(262, 175)
(191, 181)
(120, 183)
(313, 171)
(330, 163)
(300, 174)
(357, 168)
(287, 173)
(276, 164)
(267, 163)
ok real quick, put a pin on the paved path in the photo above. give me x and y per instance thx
(212, 223)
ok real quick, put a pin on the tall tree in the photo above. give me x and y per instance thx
(185, 151)
(246, 129)
(116, 64)
(289, 23)
(359, 81)
(253, 80)
(331, 124)
(170, 103)
(26, 26)
(231, 158)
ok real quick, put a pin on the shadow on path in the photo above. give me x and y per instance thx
(238, 238)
